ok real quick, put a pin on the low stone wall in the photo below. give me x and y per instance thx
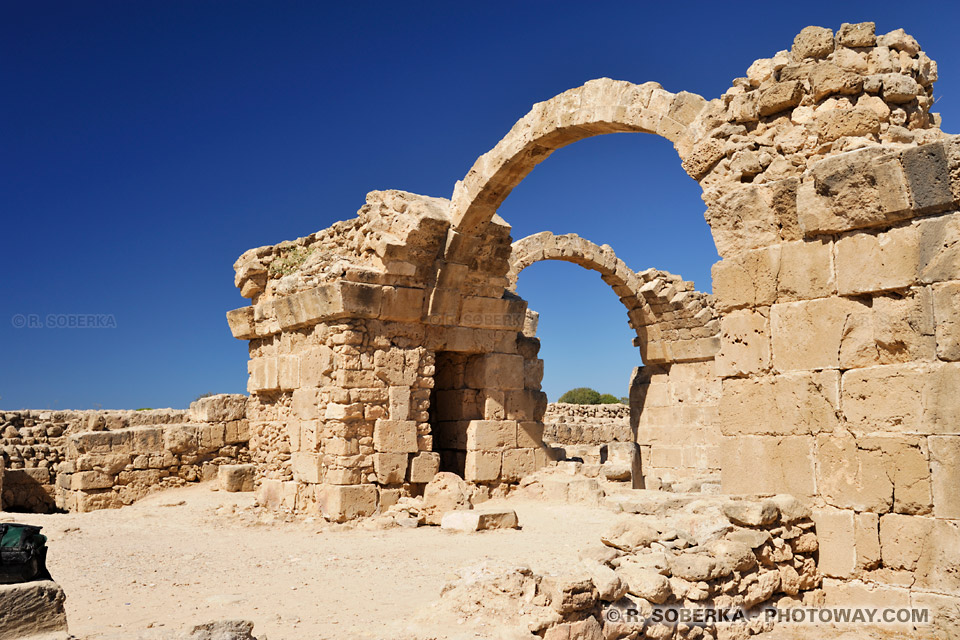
(32, 448)
(110, 469)
(566, 423)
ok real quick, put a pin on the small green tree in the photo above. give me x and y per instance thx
(581, 395)
(609, 398)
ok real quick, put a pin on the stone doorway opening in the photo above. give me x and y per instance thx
(452, 406)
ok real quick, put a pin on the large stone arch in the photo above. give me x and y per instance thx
(674, 323)
(598, 107)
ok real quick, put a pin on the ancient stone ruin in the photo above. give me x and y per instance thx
(815, 387)
(391, 345)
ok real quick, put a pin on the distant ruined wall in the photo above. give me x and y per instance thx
(565, 423)
(87, 460)
(833, 198)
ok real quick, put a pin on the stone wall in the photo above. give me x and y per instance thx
(110, 469)
(32, 444)
(84, 460)
(565, 423)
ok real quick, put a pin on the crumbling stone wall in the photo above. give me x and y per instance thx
(565, 423)
(32, 444)
(111, 468)
(832, 196)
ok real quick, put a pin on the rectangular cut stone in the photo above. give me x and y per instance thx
(529, 434)
(340, 503)
(945, 467)
(491, 435)
(241, 323)
(315, 366)
(85, 480)
(742, 220)
(395, 436)
(946, 312)
(495, 371)
(263, 375)
(928, 173)
(391, 468)
(482, 466)
(768, 464)
(868, 262)
(807, 334)
(493, 313)
(518, 463)
(288, 371)
(835, 533)
(307, 467)
(893, 329)
(788, 404)
(910, 398)
(939, 240)
(744, 343)
(32, 610)
(867, 540)
(403, 304)
(424, 466)
(305, 405)
(855, 190)
(806, 271)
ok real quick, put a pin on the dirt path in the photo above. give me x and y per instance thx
(193, 555)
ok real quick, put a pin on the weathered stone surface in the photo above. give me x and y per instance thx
(446, 492)
(744, 343)
(236, 477)
(894, 329)
(939, 240)
(768, 464)
(32, 609)
(751, 514)
(779, 97)
(645, 583)
(946, 312)
(807, 335)
(835, 533)
(340, 503)
(222, 407)
(861, 34)
(871, 262)
(813, 42)
(747, 280)
(945, 475)
(629, 533)
(806, 271)
(479, 520)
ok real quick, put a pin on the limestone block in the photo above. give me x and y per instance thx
(340, 503)
(902, 398)
(902, 539)
(789, 404)
(747, 280)
(391, 468)
(479, 520)
(939, 240)
(32, 609)
(517, 463)
(482, 466)
(861, 34)
(276, 494)
(344, 412)
(403, 304)
(754, 216)
(424, 466)
(87, 501)
(395, 436)
(867, 540)
(315, 366)
(835, 533)
(871, 262)
(529, 434)
(856, 190)
(813, 42)
(109, 463)
(838, 123)
(399, 403)
(495, 371)
(236, 477)
(779, 97)
(946, 311)
(221, 407)
(944, 457)
(86, 480)
(827, 79)
(744, 343)
(806, 271)
(928, 172)
(807, 334)
(768, 464)
(493, 313)
(264, 375)
(288, 372)
(491, 435)
(894, 329)
(307, 467)
(211, 437)
(305, 404)
(241, 323)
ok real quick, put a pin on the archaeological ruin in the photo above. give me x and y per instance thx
(824, 365)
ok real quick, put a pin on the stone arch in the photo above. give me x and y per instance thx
(674, 323)
(598, 107)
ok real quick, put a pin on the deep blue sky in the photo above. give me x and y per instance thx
(145, 145)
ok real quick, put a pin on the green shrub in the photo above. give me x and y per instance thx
(609, 398)
(581, 395)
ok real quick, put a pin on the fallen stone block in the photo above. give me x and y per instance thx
(479, 520)
(31, 609)
(236, 477)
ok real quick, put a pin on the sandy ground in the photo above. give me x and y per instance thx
(193, 555)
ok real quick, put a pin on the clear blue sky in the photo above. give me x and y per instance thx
(146, 144)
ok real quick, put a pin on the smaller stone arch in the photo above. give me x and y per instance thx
(674, 323)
